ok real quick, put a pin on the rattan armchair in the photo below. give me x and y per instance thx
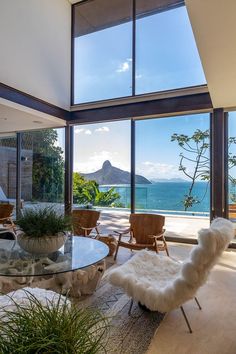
(146, 231)
(85, 221)
(6, 216)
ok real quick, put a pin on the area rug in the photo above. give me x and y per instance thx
(128, 334)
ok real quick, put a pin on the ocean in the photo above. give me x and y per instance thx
(165, 196)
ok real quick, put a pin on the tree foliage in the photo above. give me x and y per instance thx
(48, 165)
(87, 192)
(195, 155)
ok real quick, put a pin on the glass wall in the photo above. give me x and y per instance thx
(42, 168)
(101, 175)
(102, 50)
(106, 46)
(172, 161)
(166, 53)
(232, 165)
(8, 169)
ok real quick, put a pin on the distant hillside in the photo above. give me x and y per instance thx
(109, 174)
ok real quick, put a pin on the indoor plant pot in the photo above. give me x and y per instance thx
(43, 230)
(41, 245)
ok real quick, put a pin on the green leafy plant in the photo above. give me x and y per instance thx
(87, 192)
(53, 328)
(41, 222)
(196, 153)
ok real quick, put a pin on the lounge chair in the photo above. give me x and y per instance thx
(162, 283)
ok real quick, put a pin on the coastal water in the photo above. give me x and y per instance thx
(165, 196)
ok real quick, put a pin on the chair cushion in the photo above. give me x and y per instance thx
(145, 276)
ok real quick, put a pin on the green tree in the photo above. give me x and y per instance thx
(87, 192)
(48, 165)
(195, 154)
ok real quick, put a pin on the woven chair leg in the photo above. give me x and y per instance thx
(117, 248)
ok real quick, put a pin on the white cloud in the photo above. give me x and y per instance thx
(138, 76)
(123, 67)
(79, 130)
(95, 162)
(102, 129)
(83, 131)
(153, 170)
(87, 132)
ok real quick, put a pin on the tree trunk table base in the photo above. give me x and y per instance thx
(75, 283)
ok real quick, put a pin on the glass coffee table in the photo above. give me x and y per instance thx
(77, 253)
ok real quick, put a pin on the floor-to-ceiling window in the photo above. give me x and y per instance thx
(232, 165)
(101, 176)
(172, 160)
(8, 169)
(42, 168)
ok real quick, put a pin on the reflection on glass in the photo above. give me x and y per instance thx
(232, 165)
(175, 162)
(166, 53)
(8, 169)
(42, 174)
(101, 175)
(102, 51)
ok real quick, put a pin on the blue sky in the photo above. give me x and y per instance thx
(166, 58)
(156, 155)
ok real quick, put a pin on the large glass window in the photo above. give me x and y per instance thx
(42, 168)
(166, 53)
(8, 169)
(232, 165)
(102, 50)
(164, 50)
(172, 154)
(101, 175)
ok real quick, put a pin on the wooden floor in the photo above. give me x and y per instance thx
(214, 327)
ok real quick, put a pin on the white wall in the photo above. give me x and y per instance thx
(35, 48)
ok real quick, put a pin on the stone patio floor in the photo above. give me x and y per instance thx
(178, 226)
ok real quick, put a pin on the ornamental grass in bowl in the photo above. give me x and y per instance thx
(43, 230)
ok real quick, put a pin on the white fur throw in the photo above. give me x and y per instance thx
(22, 296)
(160, 282)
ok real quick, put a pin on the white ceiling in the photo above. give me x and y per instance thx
(15, 118)
(214, 27)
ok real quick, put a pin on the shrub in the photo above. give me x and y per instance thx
(43, 222)
(55, 328)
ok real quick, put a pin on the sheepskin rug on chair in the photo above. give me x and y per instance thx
(162, 283)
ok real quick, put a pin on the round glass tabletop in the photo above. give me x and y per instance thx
(78, 252)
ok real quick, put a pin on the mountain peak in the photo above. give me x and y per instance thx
(106, 164)
(109, 174)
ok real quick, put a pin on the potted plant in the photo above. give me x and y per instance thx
(43, 230)
(55, 327)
